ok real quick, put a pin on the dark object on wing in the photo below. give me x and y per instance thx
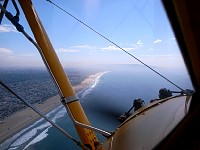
(137, 104)
(164, 93)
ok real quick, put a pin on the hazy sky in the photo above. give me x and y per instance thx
(139, 26)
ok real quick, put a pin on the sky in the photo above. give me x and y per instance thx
(140, 27)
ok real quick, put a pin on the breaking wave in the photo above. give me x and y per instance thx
(92, 86)
(27, 136)
(31, 133)
(39, 138)
(39, 130)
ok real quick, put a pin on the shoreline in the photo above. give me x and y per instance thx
(23, 118)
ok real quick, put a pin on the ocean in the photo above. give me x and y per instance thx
(110, 95)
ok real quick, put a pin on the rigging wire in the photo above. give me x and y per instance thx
(20, 28)
(2, 13)
(15, 21)
(104, 37)
(43, 116)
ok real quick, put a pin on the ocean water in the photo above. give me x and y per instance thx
(110, 95)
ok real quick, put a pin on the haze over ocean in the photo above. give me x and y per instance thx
(111, 94)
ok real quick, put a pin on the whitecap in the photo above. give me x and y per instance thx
(44, 134)
(22, 137)
(9, 141)
(13, 148)
(39, 138)
(53, 111)
(27, 136)
(93, 85)
(59, 114)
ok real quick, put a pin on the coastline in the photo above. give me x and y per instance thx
(21, 119)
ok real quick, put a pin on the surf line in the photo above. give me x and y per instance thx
(93, 80)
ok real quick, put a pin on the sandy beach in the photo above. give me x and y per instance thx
(16, 122)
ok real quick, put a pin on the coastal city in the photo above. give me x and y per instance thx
(34, 86)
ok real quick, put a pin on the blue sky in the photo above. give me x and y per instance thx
(139, 26)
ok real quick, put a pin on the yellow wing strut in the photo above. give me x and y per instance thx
(86, 136)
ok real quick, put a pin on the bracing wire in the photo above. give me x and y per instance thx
(42, 115)
(21, 29)
(114, 44)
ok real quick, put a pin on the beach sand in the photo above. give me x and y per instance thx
(16, 122)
